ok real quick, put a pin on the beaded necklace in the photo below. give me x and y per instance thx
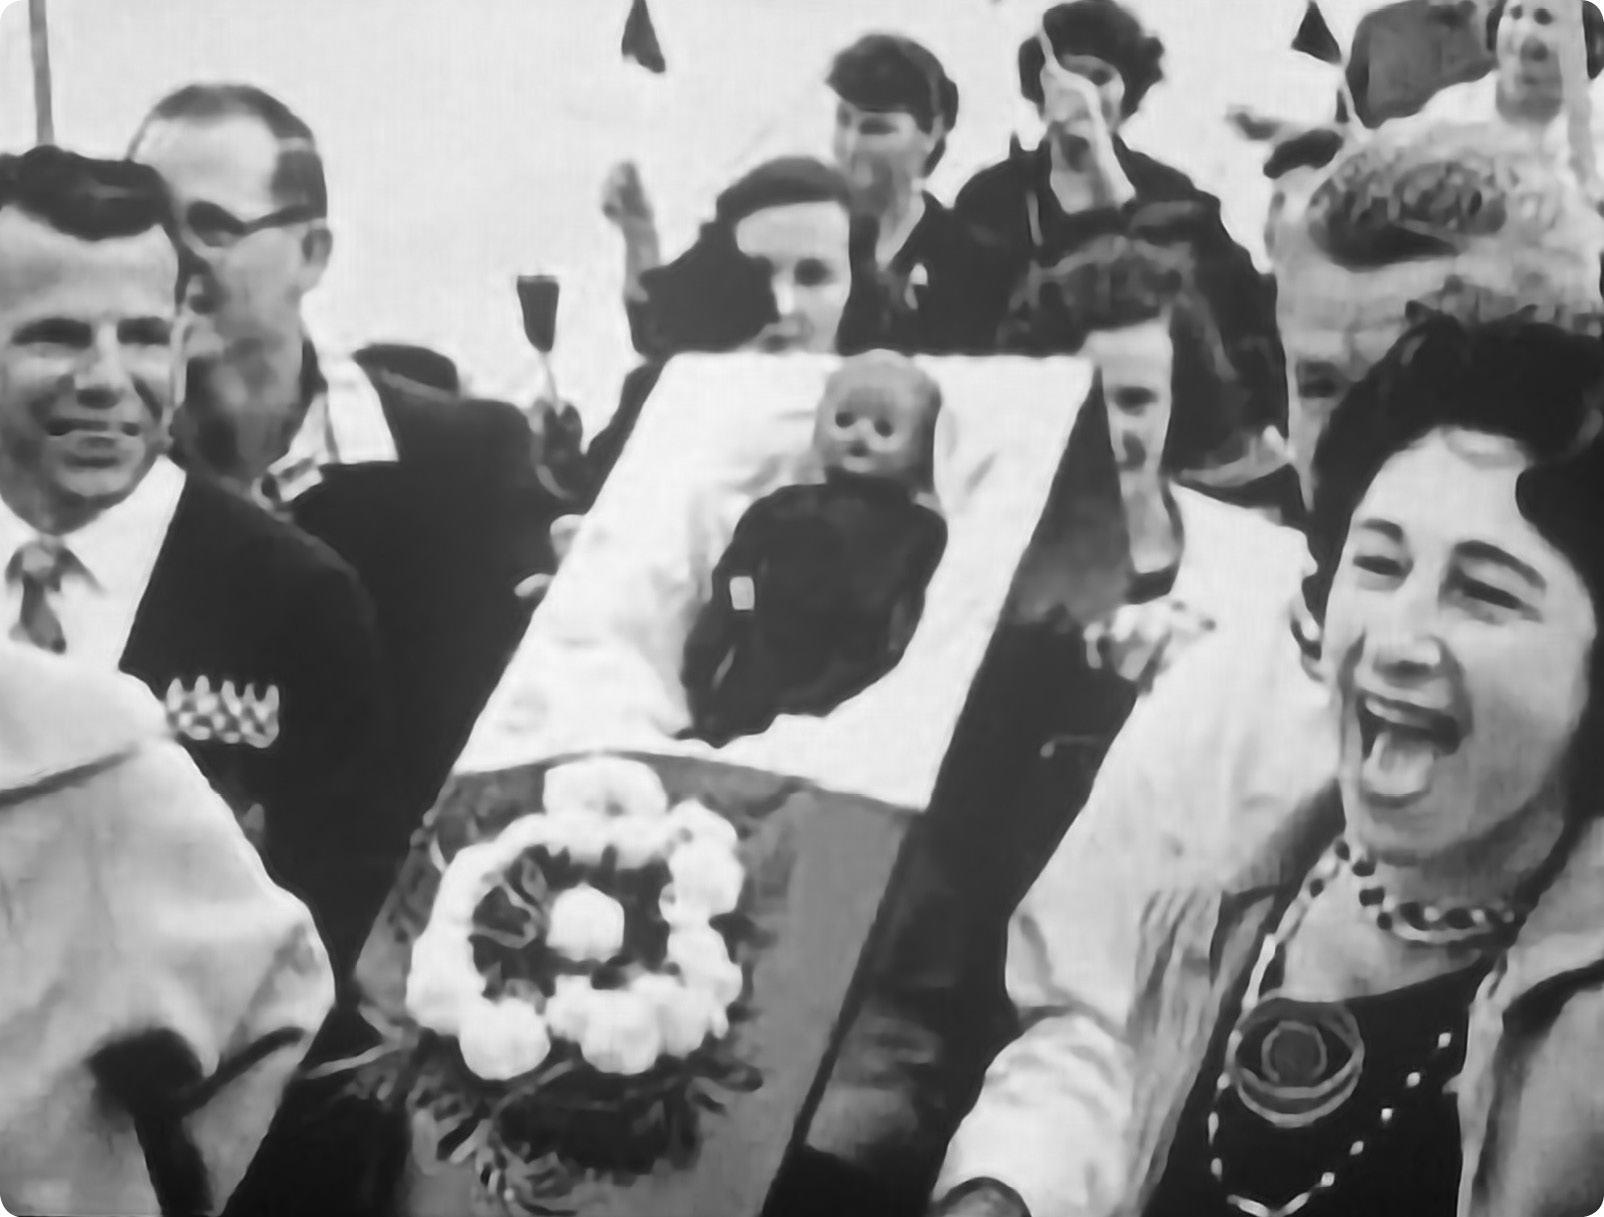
(1295, 1029)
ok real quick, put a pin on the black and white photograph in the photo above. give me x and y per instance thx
(801, 608)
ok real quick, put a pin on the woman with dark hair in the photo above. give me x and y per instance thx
(771, 271)
(1372, 986)
(1083, 181)
(921, 282)
(1057, 683)
(1116, 281)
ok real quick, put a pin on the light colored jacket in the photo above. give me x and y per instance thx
(889, 1079)
(130, 902)
(1123, 955)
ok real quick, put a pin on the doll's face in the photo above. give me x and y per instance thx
(879, 430)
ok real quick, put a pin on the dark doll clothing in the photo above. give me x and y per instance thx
(1408, 1164)
(815, 599)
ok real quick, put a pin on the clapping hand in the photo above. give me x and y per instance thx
(1141, 641)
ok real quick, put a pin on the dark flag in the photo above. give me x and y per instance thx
(1315, 37)
(640, 39)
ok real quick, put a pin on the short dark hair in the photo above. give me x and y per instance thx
(1534, 383)
(890, 72)
(298, 179)
(1103, 28)
(1592, 33)
(1115, 281)
(93, 200)
(786, 181)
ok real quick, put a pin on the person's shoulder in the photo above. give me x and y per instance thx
(243, 540)
(413, 406)
(995, 185)
(1160, 181)
(58, 716)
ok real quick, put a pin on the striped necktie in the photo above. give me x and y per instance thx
(39, 567)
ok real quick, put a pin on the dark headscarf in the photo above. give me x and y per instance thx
(714, 298)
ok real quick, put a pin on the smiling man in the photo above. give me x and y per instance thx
(432, 498)
(259, 640)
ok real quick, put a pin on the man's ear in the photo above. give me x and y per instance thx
(317, 246)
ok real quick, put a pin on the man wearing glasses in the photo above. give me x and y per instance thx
(432, 499)
(259, 641)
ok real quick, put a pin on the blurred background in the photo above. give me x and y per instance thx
(467, 140)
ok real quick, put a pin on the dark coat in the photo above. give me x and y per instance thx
(1011, 207)
(940, 294)
(238, 596)
(441, 540)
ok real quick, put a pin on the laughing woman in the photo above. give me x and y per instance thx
(1385, 999)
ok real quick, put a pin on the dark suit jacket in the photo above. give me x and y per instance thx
(441, 539)
(238, 596)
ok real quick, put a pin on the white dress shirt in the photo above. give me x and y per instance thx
(114, 556)
(344, 425)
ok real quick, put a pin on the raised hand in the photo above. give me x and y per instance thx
(624, 199)
(1140, 641)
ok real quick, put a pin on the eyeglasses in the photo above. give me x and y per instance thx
(216, 227)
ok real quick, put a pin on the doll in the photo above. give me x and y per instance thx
(823, 582)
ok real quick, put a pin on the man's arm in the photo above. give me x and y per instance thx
(230, 964)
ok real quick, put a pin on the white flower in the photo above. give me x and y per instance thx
(442, 981)
(685, 1017)
(621, 1034)
(604, 786)
(582, 838)
(640, 839)
(568, 1011)
(693, 821)
(586, 925)
(707, 878)
(502, 1040)
(698, 951)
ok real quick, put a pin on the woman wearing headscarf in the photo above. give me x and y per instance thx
(1075, 1116)
(920, 280)
(1083, 180)
(771, 271)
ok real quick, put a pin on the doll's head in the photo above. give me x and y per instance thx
(878, 419)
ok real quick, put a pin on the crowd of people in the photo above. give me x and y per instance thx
(1263, 875)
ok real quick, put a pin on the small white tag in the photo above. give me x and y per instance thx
(743, 594)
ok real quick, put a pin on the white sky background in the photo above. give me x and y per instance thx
(467, 140)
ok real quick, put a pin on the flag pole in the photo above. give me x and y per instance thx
(44, 112)
(1578, 95)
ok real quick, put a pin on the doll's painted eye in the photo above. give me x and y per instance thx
(844, 419)
(883, 428)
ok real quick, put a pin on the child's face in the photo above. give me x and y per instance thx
(876, 431)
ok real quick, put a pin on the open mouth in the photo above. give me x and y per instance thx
(1401, 744)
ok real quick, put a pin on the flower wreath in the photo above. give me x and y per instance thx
(576, 983)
